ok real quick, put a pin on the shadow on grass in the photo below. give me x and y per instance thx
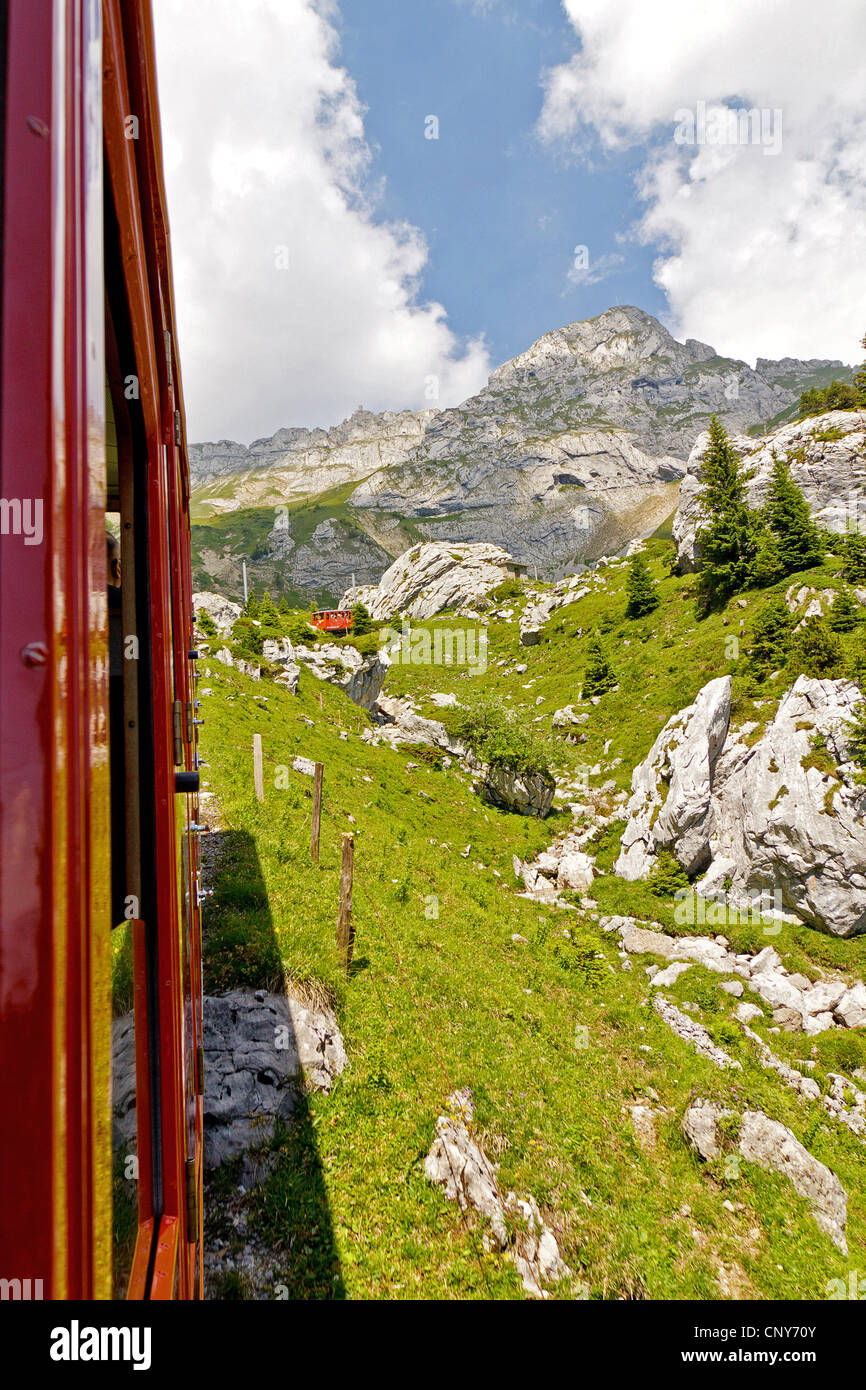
(289, 1212)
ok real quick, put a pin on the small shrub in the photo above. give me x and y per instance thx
(497, 738)
(667, 875)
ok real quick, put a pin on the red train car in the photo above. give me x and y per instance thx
(100, 965)
(332, 619)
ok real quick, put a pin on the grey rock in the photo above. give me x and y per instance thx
(771, 1145)
(361, 677)
(258, 1054)
(671, 802)
(694, 1033)
(221, 610)
(428, 578)
(529, 793)
(457, 1163)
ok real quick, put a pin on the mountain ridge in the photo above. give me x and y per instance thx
(573, 448)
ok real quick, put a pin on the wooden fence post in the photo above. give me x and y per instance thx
(318, 774)
(258, 769)
(345, 930)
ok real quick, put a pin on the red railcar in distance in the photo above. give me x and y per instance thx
(332, 619)
(100, 961)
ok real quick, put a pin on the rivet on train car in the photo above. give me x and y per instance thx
(37, 127)
(34, 654)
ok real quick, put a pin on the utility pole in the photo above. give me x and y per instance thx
(246, 595)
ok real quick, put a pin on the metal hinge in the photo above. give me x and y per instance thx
(168, 354)
(191, 1202)
(189, 721)
(177, 730)
(178, 437)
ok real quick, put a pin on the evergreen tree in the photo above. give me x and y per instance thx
(771, 638)
(816, 651)
(727, 538)
(247, 638)
(251, 607)
(598, 675)
(205, 623)
(844, 613)
(767, 566)
(643, 596)
(787, 515)
(284, 608)
(267, 608)
(361, 620)
(853, 569)
(839, 395)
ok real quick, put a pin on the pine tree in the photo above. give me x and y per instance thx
(816, 651)
(251, 607)
(844, 613)
(853, 569)
(727, 538)
(643, 596)
(267, 608)
(599, 674)
(787, 515)
(206, 624)
(361, 620)
(767, 566)
(770, 638)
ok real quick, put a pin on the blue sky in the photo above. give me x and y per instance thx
(327, 255)
(502, 212)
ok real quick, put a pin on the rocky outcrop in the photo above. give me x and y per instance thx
(429, 578)
(361, 677)
(694, 1033)
(826, 456)
(260, 1051)
(399, 723)
(527, 793)
(809, 1007)
(784, 824)
(778, 822)
(222, 610)
(671, 802)
(772, 1146)
(563, 866)
(457, 1163)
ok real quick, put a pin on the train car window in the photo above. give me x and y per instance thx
(135, 1085)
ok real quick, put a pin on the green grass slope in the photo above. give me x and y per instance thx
(554, 1039)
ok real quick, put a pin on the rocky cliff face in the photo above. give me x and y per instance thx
(766, 820)
(572, 449)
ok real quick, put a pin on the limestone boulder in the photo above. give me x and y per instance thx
(671, 802)
(431, 577)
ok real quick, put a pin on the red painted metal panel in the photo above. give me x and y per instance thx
(26, 759)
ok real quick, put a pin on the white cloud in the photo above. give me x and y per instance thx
(759, 254)
(267, 164)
